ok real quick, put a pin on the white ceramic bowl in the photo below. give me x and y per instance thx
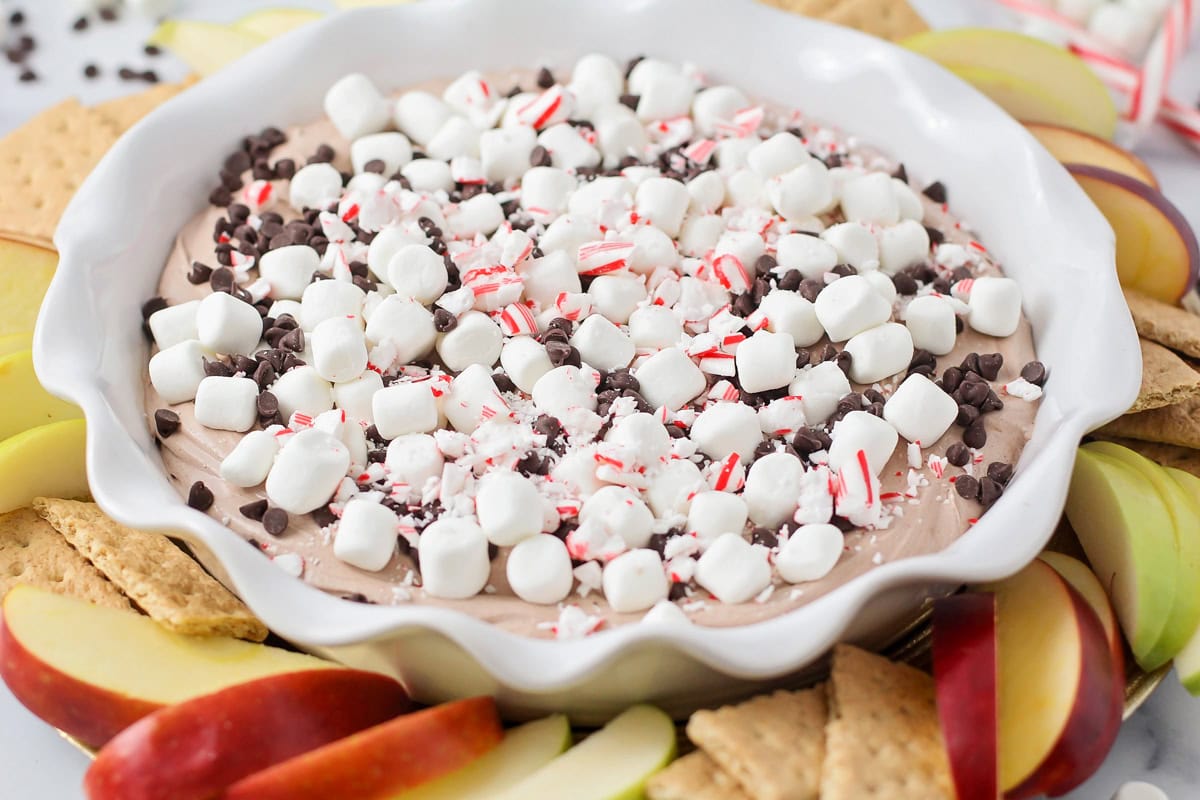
(117, 232)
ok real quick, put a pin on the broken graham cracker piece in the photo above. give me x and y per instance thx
(888, 19)
(1166, 379)
(694, 777)
(883, 739)
(1168, 455)
(125, 112)
(1178, 424)
(164, 582)
(1170, 326)
(33, 553)
(772, 745)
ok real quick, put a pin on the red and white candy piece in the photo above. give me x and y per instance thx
(551, 107)
(517, 319)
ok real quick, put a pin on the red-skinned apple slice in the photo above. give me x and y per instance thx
(380, 762)
(193, 750)
(1058, 714)
(1084, 581)
(1072, 146)
(1157, 252)
(964, 672)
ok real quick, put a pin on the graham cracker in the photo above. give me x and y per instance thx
(887, 19)
(33, 553)
(694, 777)
(158, 576)
(1166, 378)
(125, 112)
(1164, 323)
(43, 162)
(1178, 424)
(1169, 455)
(883, 739)
(773, 745)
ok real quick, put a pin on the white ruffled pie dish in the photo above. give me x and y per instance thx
(116, 234)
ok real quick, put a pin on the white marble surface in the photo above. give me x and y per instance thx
(1160, 744)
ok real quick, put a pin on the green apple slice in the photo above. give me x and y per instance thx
(1187, 663)
(1128, 535)
(15, 343)
(1023, 99)
(523, 752)
(25, 272)
(612, 764)
(272, 22)
(46, 461)
(204, 46)
(24, 404)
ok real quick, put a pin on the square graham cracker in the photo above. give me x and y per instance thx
(33, 553)
(888, 19)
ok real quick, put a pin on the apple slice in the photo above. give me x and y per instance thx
(69, 662)
(271, 22)
(1084, 581)
(379, 762)
(1157, 252)
(1187, 663)
(964, 673)
(204, 46)
(1057, 83)
(46, 461)
(524, 751)
(1129, 539)
(25, 272)
(24, 404)
(612, 764)
(1071, 146)
(15, 343)
(193, 750)
(1058, 713)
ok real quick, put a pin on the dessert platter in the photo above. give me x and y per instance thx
(607, 389)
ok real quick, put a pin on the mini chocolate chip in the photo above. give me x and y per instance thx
(807, 441)
(199, 273)
(844, 270)
(200, 497)
(951, 378)
(975, 436)
(91, 71)
(991, 403)
(935, 192)
(540, 157)
(548, 426)
(222, 280)
(254, 510)
(828, 352)
(936, 237)
(545, 78)
(922, 357)
(942, 285)
(324, 517)
(810, 289)
(1000, 472)
(503, 382)
(285, 168)
(151, 50)
(558, 351)
(166, 422)
(764, 537)
(624, 379)
(844, 361)
(974, 393)
(989, 492)
(658, 542)
(790, 280)
(967, 487)
(275, 521)
(1034, 372)
(904, 283)
(958, 454)
(966, 415)
(264, 375)
(293, 340)
(630, 101)
(765, 263)
(970, 363)
(108, 13)
(16, 19)
(217, 369)
(152, 305)
(901, 173)
(444, 321)
(989, 365)
(267, 404)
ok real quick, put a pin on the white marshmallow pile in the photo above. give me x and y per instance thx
(587, 342)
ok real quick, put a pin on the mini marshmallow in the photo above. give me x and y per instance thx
(404, 408)
(601, 197)
(644, 436)
(870, 199)
(539, 570)
(717, 105)
(619, 512)
(413, 459)
(902, 246)
(324, 300)
(809, 553)
(812, 256)
(731, 153)
(619, 134)
(390, 241)
(820, 388)
(354, 396)
(315, 186)
(562, 389)
(420, 115)
(473, 398)
(307, 471)
(504, 152)
(879, 352)
(665, 612)
(355, 107)
(393, 149)
(635, 581)
(855, 245)
(302, 390)
(862, 431)
(910, 205)
(849, 306)
(250, 460)
(788, 312)
(456, 137)
(930, 320)
(671, 490)
(663, 202)
(920, 411)
(289, 270)
(577, 471)
(781, 153)
(227, 404)
(226, 325)
(545, 191)
(882, 284)
(766, 361)
(568, 149)
(654, 326)
(652, 249)
(733, 570)
(509, 508)
(568, 233)
(665, 97)
(428, 175)
(290, 307)
(602, 344)
(479, 214)
(773, 485)
(647, 70)
(801, 192)
(670, 379)
(715, 513)
(472, 96)
(995, 305)
(339, 350)
(616, 296)
(747, 189)
(174, 324)
(524, 359)
(454, 559)
(725, 428)
(176, 372)
(475, 340)
(366, 535)
(545, 278)
(406, 325)
(746, 247)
